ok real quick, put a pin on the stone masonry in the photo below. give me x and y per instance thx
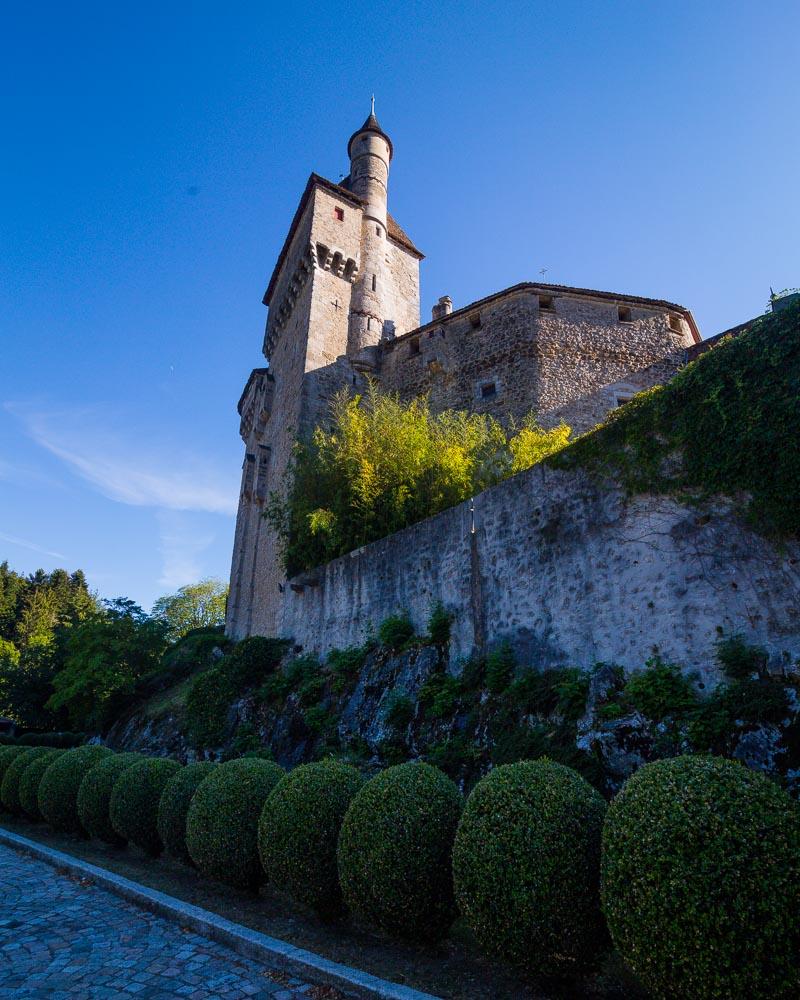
(343, 304)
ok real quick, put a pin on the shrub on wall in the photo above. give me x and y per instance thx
(29, 783)
(133, 807)
(700, 880)
(254, 658)
(299, 830)
(207, 706)
(94, 796)
(58, 790)
(9, 789)
(395, 632)
(222, 822)
(174, 807)
(526, 866)
(394, 854)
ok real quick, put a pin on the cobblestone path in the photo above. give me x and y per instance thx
(61, 938)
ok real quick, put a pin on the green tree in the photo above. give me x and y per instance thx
(384, 464)
(198, 605)
(106, 655)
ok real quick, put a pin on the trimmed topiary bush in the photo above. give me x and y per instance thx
(135, 797)
(94, 796)
(700, 880)
(222, 822)
(7, 756)
(29, 783)
(58, 789)
(299, 830)
(174, 806)
(9, 789)
(394, 853)
(526, 866)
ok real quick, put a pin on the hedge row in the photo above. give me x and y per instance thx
(695, 865)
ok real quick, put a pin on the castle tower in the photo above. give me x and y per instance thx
(346, 276)
(370, 151)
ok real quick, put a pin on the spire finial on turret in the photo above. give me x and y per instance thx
(372, 106)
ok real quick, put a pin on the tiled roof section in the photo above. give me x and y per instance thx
(398, 235)
(536, 287)
(705, 345)
(395, 233)
(253, 374)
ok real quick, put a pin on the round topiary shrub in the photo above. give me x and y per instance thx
(222, 822)
(395, 847)
(174, 806)
(700, 880)
(526, 866)
(7, 756)
(29, 783)
(94, 796)
(135, 796)
(9, 789)
(58, 789)
(299, 830)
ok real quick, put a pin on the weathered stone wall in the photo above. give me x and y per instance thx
(574, 362)
(402, 294)
(570, 572)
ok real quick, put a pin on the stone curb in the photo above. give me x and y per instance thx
(244, 941)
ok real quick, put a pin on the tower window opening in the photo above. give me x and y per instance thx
(488, 390)
(546, 303)
(338, 214)
(374, 282)
(369, 322)
(475, 321)
(624, 314)
(674, 323)
(378, 230)
(413, 346)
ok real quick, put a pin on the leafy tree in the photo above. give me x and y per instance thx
(105, 656)
(385, 464)
(198, 605)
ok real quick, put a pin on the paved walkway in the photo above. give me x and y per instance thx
(62, 939)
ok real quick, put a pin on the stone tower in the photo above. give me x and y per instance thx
(347, 276)
(370, 151)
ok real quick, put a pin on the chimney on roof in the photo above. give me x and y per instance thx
(443, 307)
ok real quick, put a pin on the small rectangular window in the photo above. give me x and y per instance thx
(488, 390)
(546, 303)
(475, 321)
(377, 230)
(339, 214)
(374, 282)
(624, 314)
(413, 345)
(675, 323)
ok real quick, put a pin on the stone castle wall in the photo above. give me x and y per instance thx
(570, 572)
(508, 356)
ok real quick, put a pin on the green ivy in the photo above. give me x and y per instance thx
(727, 424)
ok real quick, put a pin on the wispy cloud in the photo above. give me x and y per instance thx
(181, 545)
(11, 540)
(121, 466)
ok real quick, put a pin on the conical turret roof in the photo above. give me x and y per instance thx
(371, 125)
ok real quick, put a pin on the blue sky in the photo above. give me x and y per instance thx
(154, 155)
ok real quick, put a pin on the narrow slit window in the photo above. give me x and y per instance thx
(624, 314)
(374, 282)
(378, 230)
(338, 214)
(546, 303)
